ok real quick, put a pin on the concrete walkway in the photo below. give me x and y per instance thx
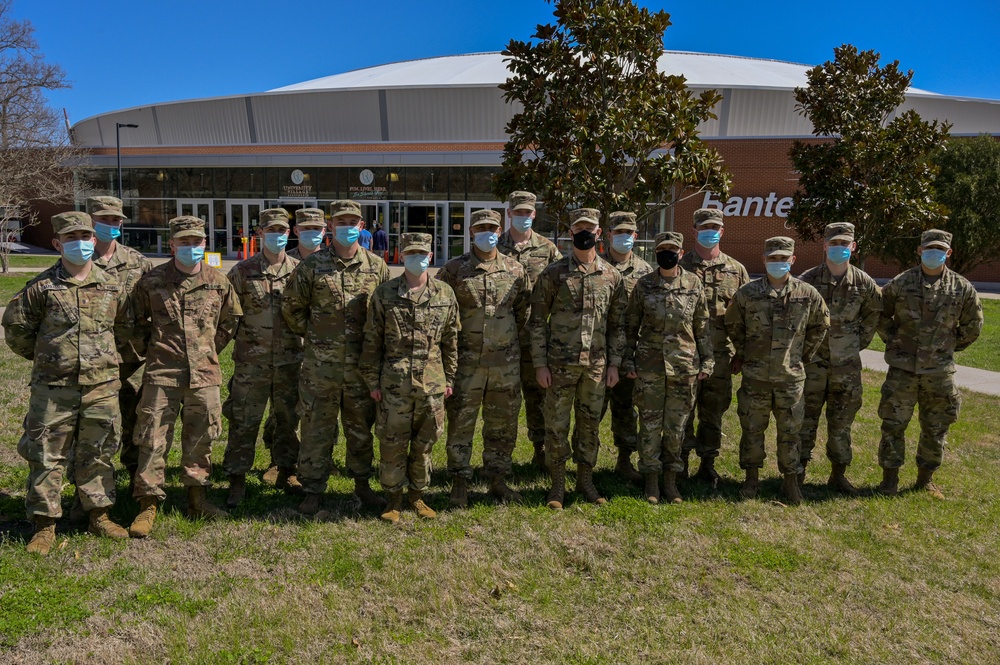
(978, 380)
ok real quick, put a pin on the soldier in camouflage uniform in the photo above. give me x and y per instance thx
(327, 302)
(409, 362)
(777, 324)
(267, 356)
(70, 322)
(577, 336)
(722, 276)
(928, 313)
(668, 349)
(493, 298)
(834, 375)
(186, 312)
(535, 253)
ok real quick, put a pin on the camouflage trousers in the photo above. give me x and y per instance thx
(326, 394)
(841, 392)
(665, 404)
(534, 399)
(201, 423)
(408, 425)
(623, 416)
(128, 402)
(713, 398)
(756, 400)
(577, 390)
(250, 390)
(939, 403)
(70, 431)
(498, 391)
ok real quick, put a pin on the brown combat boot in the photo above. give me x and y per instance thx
(557, 495)
(790, 489)
(585, 484)
(801, 475)
(271, 475)
(500, 490)
(652, 487)
(670, 491)
(45, 536)
(310, 505)
(198, 505)
(237, 490)
(368, 497)
(416, 501)
(625, 469)
(890, 483)
(838, 482)
(101, 525)
(393, 507)
(143, 522)
(748, 490)
(288, 481)
(538, 459)
(924, 483)
(707, 473)
(459, 492)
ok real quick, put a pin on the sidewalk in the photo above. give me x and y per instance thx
(978, 380)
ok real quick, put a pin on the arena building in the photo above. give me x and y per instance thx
(418, 142)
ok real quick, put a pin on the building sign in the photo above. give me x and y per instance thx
(368, 190)
(750, 206)
(301, 187)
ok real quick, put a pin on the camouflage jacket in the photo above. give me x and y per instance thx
(263, 338)
(722, 277)
(411, 338)
(535, 255)
(775, 333)
(631, 269)
(493, 298)
(296, 253)
(71, 330)
(855, 303)
(668, 327)
(326, 301)
(182, 323)
(578, 315)
(127, 266)
(924, 323)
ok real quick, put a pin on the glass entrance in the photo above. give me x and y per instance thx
(242, 220)
(203, 211)
(423, 217)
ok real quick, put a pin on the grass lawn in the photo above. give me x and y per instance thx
(11, 283)
(31, 261)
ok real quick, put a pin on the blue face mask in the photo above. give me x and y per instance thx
(622, 243)
(311, 239)
(933, 258)
(275, 242)
(190, 256)
(520, 223)
(107, 232)
(709, 238)
(346, 235)
(778, 269)
(417, 264)
(485, 240)
(838, 255)
(78, 252)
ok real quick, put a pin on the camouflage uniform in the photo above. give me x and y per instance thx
(411, 354)
(182, 324)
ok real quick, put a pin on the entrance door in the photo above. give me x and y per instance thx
(459, 244)
(203, 211)
(242, 220)
(423, 217)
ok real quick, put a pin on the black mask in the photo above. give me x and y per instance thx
(666, 259)
(584, 240)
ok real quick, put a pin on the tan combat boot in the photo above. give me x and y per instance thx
(310, 505)
(557, 495)
(790, 489)
(652, 487)
(585, 484)
(924, 483)
(890, 483)
(393, 507)
(44, 537)
(670, 492)
(625, 469)
(143, 522)
(101, 525)
(748, 490)
(459, 493)
(198, 505)
(416, 501)
(538, 459)
(838, 482)
(237, 490)
(500, 490)
(271, 475)
(288, 481)
(368, 497)
(707, 473)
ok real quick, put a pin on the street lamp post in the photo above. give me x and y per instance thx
(118, 148)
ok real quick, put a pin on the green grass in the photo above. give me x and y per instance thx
(11, 283)
(713, 580)
(31, 261)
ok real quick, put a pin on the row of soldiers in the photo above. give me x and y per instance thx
(324, 335)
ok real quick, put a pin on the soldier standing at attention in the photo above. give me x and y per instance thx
(409, 362)
(534, 252)
(493, 297)
(668, 349)
(577, 320)
(928, 313)
(327, 303)
(722, 276)
(267, 356)
(186, 312)
(69, 321)
(834, 375)
(777, 324)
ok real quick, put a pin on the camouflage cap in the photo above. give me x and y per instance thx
(187, 226)
(310, 217)
(67, 222)
(591, 215)
(709, 216)
(621, 220)
(668, 239)
(338, 208)
(521, 201)
(779, 246)
(485, 217)
(839, 231)
(273, 216)
(416, 242)
(935, 238)
(109, 206)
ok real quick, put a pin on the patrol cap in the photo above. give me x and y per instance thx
(310, 217)
(485, 217)
(779, 246)
(109, 206)
(839, 231)
(667, 240)
(67, 222)
(591, 215)
(709, 216)
(521, 201)
(935, 238)
(339, 208)
(622, 220)
(416, 242)
(187, 226)
(273, 216)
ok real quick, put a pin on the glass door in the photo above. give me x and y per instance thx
(243, 217)
(203, 210)
(423, 217)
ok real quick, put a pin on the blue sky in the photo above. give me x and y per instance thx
(122, 53)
